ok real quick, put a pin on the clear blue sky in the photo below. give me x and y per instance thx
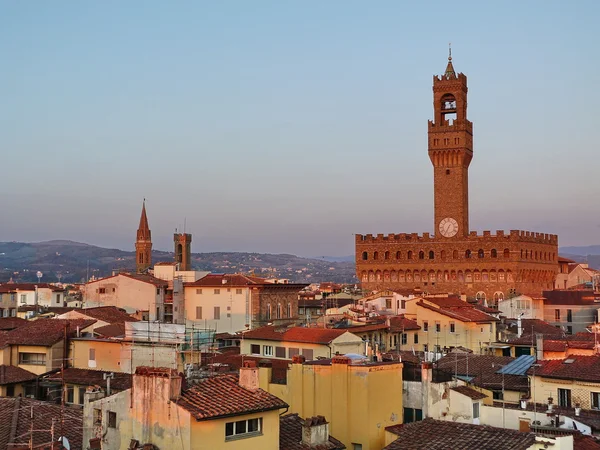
(288, 126)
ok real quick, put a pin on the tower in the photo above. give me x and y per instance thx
(450, 152)
(143, 244)
(183, 250)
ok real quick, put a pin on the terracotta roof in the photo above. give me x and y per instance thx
(570, 297)
(433, 434)
(223, 280)
(482, 369)
(13, 374)
(10, 323)
(111, 330)
(400, 323)
(45, 331)
(110, 314)
(585, 442)
(583, 368)
(565, 260)
(446, 302)
(290, 435)
(231, 357)
(534, 326)
(295, 334)
(31, 286)
(145, 278)
(222, 396)
(87, 377)
(464, 313)
(15, 423)
(469, 392)
(405, 356)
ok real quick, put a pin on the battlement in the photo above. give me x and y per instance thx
(457, 125)
(501, 236)
(460, 79)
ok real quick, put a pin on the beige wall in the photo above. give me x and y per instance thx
(53, 355)
(237, 299)
(581, 392)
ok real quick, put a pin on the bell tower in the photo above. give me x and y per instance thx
(143, 244)
(183, 250)
(450, 138)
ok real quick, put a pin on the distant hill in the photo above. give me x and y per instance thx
(73, 261)
(581, 251)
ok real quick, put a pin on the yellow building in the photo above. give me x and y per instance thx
(16, 382)
(311, 343)
(394, 333)
(218, 412)
(359, 399)
(448, 322)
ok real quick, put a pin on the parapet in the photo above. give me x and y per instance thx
(473, 236)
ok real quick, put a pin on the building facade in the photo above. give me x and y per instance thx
(143, 244)
(454, 258)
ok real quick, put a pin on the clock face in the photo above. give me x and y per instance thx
(448, 227)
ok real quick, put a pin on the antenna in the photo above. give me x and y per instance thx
(449, 51)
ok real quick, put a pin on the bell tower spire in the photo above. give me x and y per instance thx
(143, 243)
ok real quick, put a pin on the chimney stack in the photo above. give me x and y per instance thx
(249, 376)
(539, 346)
(315, 431)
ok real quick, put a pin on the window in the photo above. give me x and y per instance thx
(70, 394)
(198, 291)
(398, 255)
(365, 256)
(425, 348)
(356, 446)
(23, 298)
(452, 327)
(10, 390)
(92, 354)
(595, 400)
(416, 340)
(564, 398)
(102, 291)
(269, 311)
(280, 352)
(13, 312)
(198, 312)
(217, 313)
(289, 310)
(267, 350)
(404, 338)
(278, 312)
(97, 416)
(238, 291)
(421, 254)
(425, 326)
(438, 327)
(243, 428)
(293, 351)
(307, 353)
(409, 254)
(255, 349)
(476, 410)
(480, 253)
(157, 291)
(58, 299)
(494, 253)
(507, 253)
(557, 315)
(431, 254)
(403, 304)
(455, 254)
(34, 359)
(569, 329)
(217, 291)
(388, 303)
(468, 254)
(81, 395)
(386, 255)
(569, 315)
(375, 255)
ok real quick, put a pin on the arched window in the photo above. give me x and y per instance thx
(421, 254)
(480, 295)
(431, 254)
(536, 255)
(289, 310)
(494, 253)
(398, 254)
(386, 255)
(507, 253)
(455, 254)
(375, 255)
(498, 296)
(443, 254)
(269, 311)
(409, 254)
(365, 256)
(468, 254)
(480, 253)
(278, 310)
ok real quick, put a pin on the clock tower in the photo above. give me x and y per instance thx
(450, 151)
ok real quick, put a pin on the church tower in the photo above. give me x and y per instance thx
(183, 250)
(143, 244)
(450, 152)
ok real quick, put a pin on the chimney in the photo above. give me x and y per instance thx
(426, 372)
(315, 431)
(539, 346)
(249, 376)
(519, 326)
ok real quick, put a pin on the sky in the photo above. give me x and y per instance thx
(287, 127)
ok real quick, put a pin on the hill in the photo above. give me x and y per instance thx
(73, 261)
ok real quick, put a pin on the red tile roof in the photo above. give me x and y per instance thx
(290, 436)
(433, 434)
(295, 334)
(570, 297)
(145, 278)
(15, 423)
(10, 323)
(222, 396)
(31, 286)
(582, 368)
(13, 374)
(110, 314)
(233, 360)
(112, 330)
(238, 280)
(464, 313)
(86, 377)
(45, 331)
(469, 392)
(401, 323)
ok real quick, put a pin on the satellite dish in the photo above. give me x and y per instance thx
(65, 442)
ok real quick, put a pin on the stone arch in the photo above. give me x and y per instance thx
(365, 256)
(494, 253)
(468, 276)
(393, 276)
(416, 276)
(423, 275)
(509, 276)
(453, 277)
(446, 275)
(498, 295)
(480, 296)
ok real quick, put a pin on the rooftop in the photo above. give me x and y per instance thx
(237, 280)
(44, 331)
(110, 314)
(464, 312)
(469, 392)
(13, 374)
(222, 396)
(87, 377)
(10, 323)
(433, 434)
(295, 334)
(581, 368)
(290, 435)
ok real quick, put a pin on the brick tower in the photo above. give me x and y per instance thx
(183, 250)
(143, 244)
(450, 151)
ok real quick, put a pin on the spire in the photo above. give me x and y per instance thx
(450, 74)
(143, 230)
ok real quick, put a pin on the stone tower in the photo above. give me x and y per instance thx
(183, 250)
(450, 152)
(143, 244)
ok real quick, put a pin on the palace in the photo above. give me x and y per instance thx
(455, 259)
